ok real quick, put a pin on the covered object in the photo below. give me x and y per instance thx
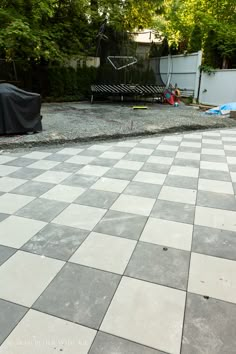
(19, 110)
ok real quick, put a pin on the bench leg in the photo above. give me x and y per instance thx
(92, 98)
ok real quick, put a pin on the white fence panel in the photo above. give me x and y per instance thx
(218, 88)
(183, 70)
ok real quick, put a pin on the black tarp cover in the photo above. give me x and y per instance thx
(19, 110)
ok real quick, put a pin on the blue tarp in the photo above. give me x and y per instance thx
(221, 110)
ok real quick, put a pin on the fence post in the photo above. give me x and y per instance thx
(197, 78)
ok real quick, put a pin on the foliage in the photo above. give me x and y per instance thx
(192, 24)
(52, 30)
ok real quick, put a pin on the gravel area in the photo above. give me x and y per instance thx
(81, 121)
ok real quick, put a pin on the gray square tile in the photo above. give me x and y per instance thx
(143, 189)
(213, 158)
(103, 162)
(164, 153)
(186, 163)
(216, 200)
(217, 175)
(80, 181)
(142, 323)
(134, 157)
(94, 153)
(5, 253)
(21, 162)
(67, 167)
(57, 157)
(3, 216)
(120, 173)
(209, 326)
(107, 344)
(27, 173)
(181, 182)
(164, 266)
(192, 149)
(79, 294)
(158, 168)
(10, 316)
(56, 241)
(214, 242)
(33, 189)
(99, 199)
(42, 209)
(121, 224)
(179, 212)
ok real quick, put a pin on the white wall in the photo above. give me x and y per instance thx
(183, 71)
(219, 88)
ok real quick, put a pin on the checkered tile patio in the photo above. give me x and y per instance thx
(120, 248)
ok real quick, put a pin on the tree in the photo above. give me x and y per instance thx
(188, 22)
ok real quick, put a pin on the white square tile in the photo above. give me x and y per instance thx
(168, 233)
(180, 195)
(151, 141)
(141, 151)
(190, 144)
(10, 203)
(99, 147)
(217, 152)
(212, 142)
(229, 138)
(44, 164)
(228, 132)
(230, 147)
(80, 159)
(165, 147)
(113, 155)
(184, 171)
(216, 218)
(80, 216)
(16, 231)
(110, 185)
(70, 151)
(210, 185)
(25, 276)
(233, 176)
(211, 134)
(6, 170)
(231, 160)
(193, 136)
(213, 277)
(93, 170)
(160, 160)
(214, 166)
(129, 165)
(52, 177)
(63, 193)
(188, 156)
(105, 252)
(7, 184)
(150, 177)
(37, 155)
(5, 159)
(173, 138)
(41, 333)
(127, 144)
(134, 205)
(136, 310)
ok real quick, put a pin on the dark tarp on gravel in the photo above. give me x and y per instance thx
(19, 110)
